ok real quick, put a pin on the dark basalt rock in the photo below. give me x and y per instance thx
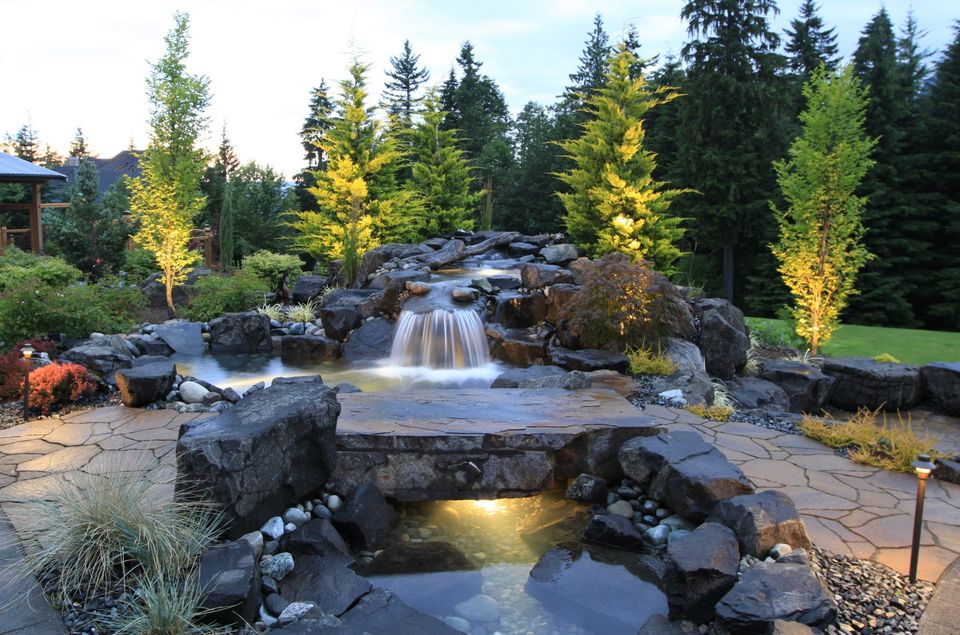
(537, 276)
(230, 581)
(557, 296)
(696, 386)
(182, 336)
(366, 518)
(373, 340)
(941, 384)
(394, 284)
(519, 348)
(309, 347)
(753, 393)
(513, 377)
(326, 581)
(422, 557)
(145, 384)
(522, 249)
(504, 282)
(861, 382)
(308, 288)
(150, 345)
(806, 386)
(272, 449)
(588, 360)
(377, 257)
(339, 321)
(380, 611)
(775, 591)
(722, 337)
(614, 531)
(240, 333)
(559, 254)
(702, 568)
(452, 251)
(685, 472)
(97, 358)
(317, 537)
(588, 488)
(761, 521)
(364, 301)
(519, 310)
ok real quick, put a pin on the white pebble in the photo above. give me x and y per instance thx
(334, 503)
(273, 528)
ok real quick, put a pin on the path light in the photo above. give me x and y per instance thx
(923, 467)
(27, 352)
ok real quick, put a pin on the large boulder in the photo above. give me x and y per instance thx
(418, 557)
(520, 310)
(537, 276)
(97, 358)
(272, 449)
(684, 471)
(703, 567)
(722, 338)
(807, 388)
(373, 340)
(521, 248)
(380, 611)
(364, 301)
(557, 296)
(452, 251)
(240, 333)
(775, 591)
(145, 384)
(366, 518)
(309, 347)
(861, 382)
(588, 359)
(761, 521)
(753, 393)
(374, 259)
(696, 387)
(614, 531)
(393, 284)
(326, 581)
(941, 385)
(317, 537)
(182, 336)
(684, 354)
(339, 321)
(150, 345)
(308, 288)
(559, 254)
(519, 348)
(230, 582)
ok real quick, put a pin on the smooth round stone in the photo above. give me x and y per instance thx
(626, 492)
(658, 535)
(277, 566)
(273, 528)
(612, 498)
(454, 622)
(621, 508)
(271, 547)
(275, 604)
(289, 528)
(649, 506)
(779, 550)
(266, 618)
(424, 533)
(308, 506)
(321, 511)
(193, 393)
(334, 503)
(295, 516)
(662, 512)
(479, 608)
(650, 520)
(404, 538)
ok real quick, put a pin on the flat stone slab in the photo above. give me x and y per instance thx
(434, 444)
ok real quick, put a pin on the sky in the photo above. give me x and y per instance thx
(69, 64)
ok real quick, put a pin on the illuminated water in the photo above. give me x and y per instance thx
(441, 339)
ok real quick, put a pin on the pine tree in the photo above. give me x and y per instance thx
(214, 185)
(166, 198)
(226, 231)
(728, 134)
(26, 144)
(440, 173)
(809, 44)
(821, 249)
(615, 205)
(314, 127)
(261, 205)
(592, 71)
(400, 91)
(359, 204)
(78, 147)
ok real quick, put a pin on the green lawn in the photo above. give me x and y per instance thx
(910, 346)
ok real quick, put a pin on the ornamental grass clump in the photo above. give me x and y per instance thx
(163, 606)
(891, 445)
(306, 312)
(643, 361)
(105, 532)
(272, 311)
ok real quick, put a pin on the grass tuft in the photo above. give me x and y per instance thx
(163, 606)
(886, 358)
(713, 413)
(891, 445)
(272, 311)
(643, 361)
(306, 312)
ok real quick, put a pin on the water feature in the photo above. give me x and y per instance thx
(597, 595)
(440, 339)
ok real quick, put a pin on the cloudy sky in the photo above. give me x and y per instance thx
(65, 64)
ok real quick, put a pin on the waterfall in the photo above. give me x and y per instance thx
(440, 339)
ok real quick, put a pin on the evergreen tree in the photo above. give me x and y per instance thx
(400, 91)
(226, 231)
(359, 204)
(820, 249)
(440, 173)
(809, 44)
(728, 134)
(592, 71)
(26, 144)
(78, 147)
(314, 127)
(214, 185)
(261, 205)
(166, 198)
(615, 205)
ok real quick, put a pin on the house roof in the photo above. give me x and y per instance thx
(108, 170)
(16, 170)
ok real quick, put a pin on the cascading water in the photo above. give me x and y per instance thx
(440, 339)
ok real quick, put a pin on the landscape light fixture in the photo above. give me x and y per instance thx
(923, 467)
(27, 352)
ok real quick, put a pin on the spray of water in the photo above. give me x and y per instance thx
(440, 339)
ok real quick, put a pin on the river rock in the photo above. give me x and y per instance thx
(240, 333)
(775, 591)
(308, 288)
(339, 321)
(702, 568)
(145, 384)
(861, 382)
(941, 384)
(807, 387)
(537, 276)
(277, 566)
(288, 427)
(193, 392)
(559, 254)
(366, 518)
(479, 608)
(722, 338)
(231, 583)
(753, 393)
(761, 521)
(685, 472)
(588, 360)
(519, 310)
(504, 282)
(373, 340)
(464, 294)
(309, 348)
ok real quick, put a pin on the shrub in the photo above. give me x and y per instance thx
(272, 311)
(138, 264)
(99, 532)
(886, 358)
(13, 368)
(219, 294)
(769, 333)
(277, 270)
(891, 445)
(644, 361)
(713, 413)
(306, 312)
(57, 384)
(624, 304)
(19, 267)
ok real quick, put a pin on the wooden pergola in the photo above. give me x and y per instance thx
(16, 170)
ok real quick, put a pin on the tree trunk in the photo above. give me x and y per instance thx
(168, 287)
(728, 240)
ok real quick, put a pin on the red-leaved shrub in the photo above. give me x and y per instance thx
(13, 367)
(57, 384)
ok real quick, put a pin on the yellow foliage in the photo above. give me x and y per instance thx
(644, 361)
(713, 413)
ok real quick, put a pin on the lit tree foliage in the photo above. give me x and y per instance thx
(820, 249)
(615, 205)
(166, 197)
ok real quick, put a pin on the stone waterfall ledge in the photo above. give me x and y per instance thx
(481, 443)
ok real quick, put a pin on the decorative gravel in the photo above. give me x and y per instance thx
(11, 412)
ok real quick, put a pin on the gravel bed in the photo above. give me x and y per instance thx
(11, 412)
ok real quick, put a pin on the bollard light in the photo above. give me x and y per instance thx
(27, 352)
(923, 467)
